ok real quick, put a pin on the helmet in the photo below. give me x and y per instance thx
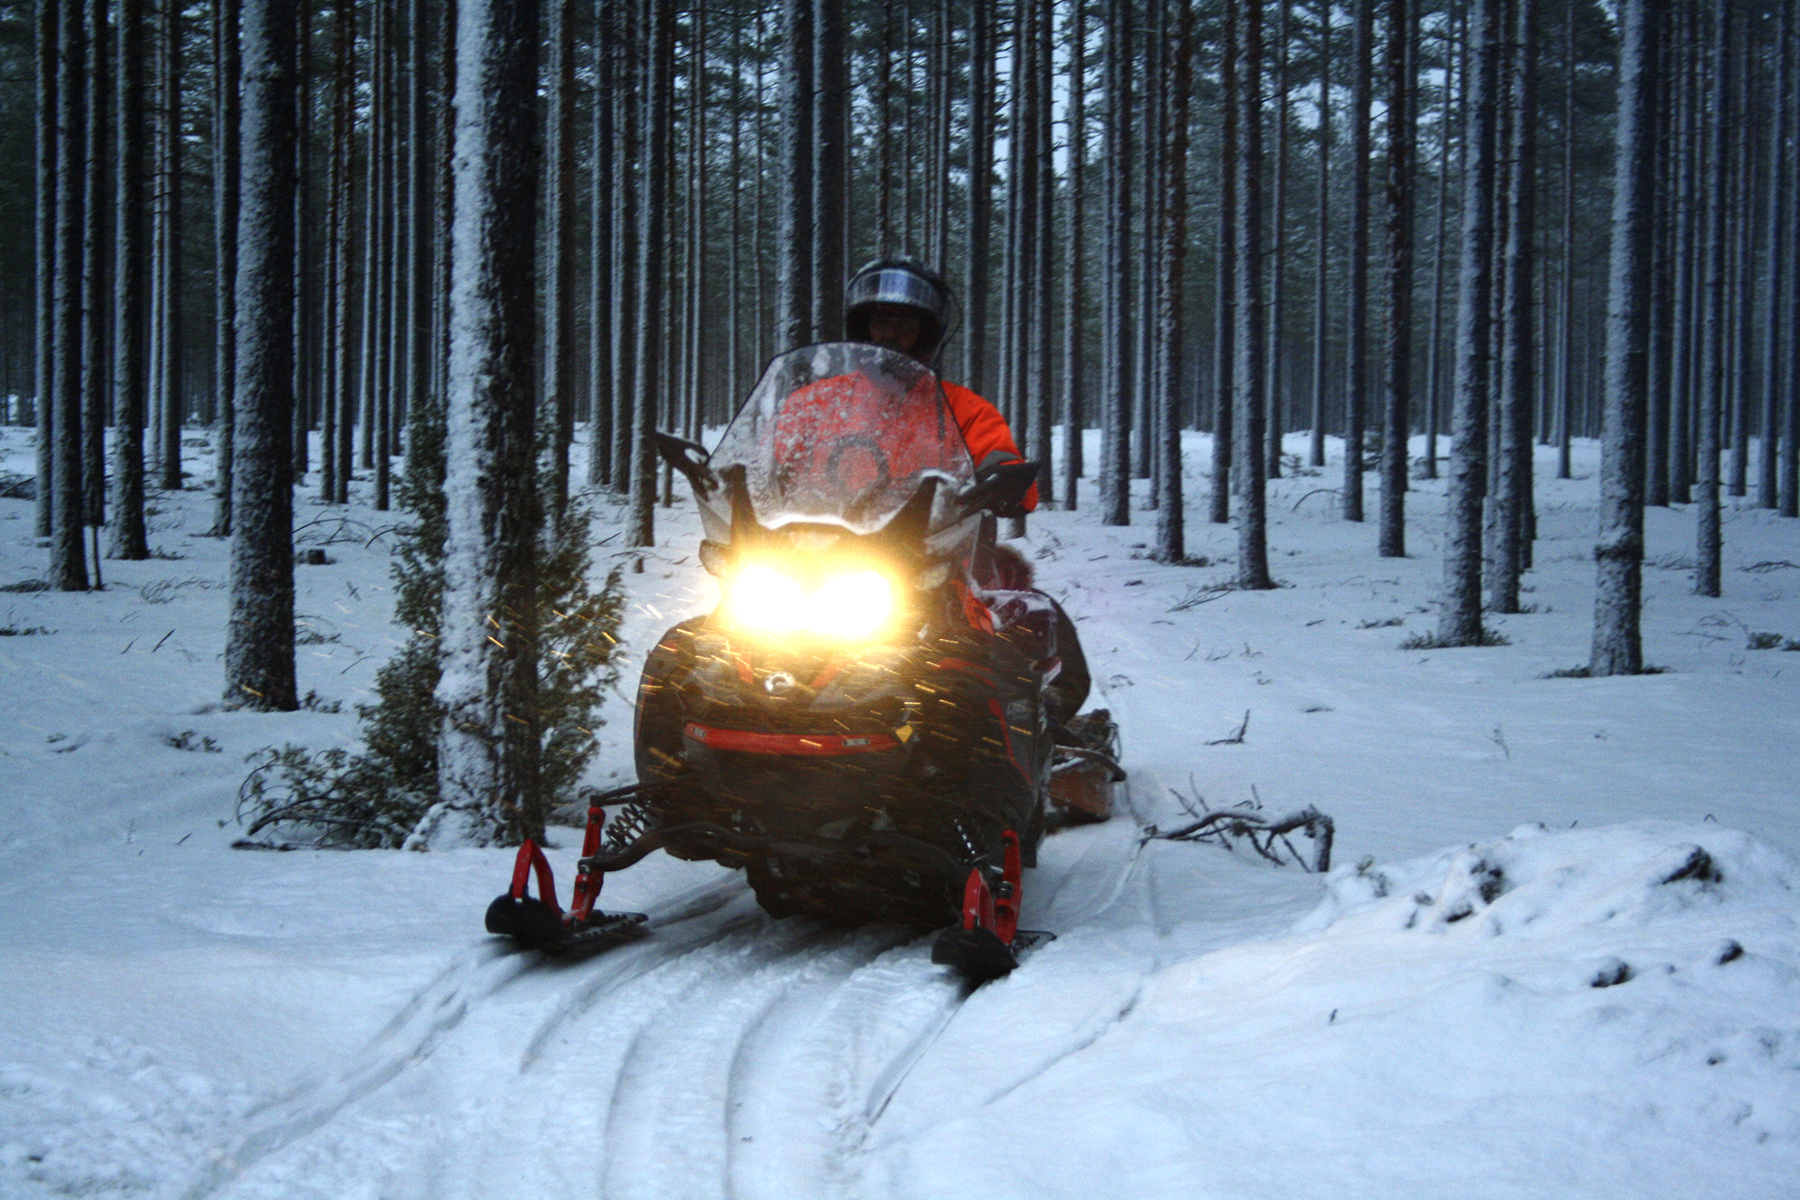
(904, 280)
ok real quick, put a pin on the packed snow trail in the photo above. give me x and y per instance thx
(726, 1054)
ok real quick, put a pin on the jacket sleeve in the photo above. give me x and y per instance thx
(985, 432)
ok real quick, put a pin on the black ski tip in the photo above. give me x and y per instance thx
(530, 921)
(537, 926)
(978, 955)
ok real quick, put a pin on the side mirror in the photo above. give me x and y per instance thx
(689, 458)
(1001, 488)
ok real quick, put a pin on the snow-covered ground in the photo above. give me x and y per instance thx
(1558, 957)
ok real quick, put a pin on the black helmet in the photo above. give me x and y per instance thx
(904, 280)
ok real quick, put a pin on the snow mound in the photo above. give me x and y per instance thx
(1537, 884)
(1550, 1014)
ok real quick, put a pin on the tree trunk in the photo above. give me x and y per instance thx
(1619, 552)
(1322, 273)
(981, 175)
(794, 290)
(131, 381)
(1225, 357)
(653, 373)
(1172, 252)
(227, 85)
(259, 645)
(48, 151)
(1775, 293)
(830, 167)
(489, 749)
(1074, 277)
(1278, 246)
(171, 342)
(68, 556)
(1459, 616)
(95, 405)
(560, 253)
(1115, 451)
(603, 314)
(1517, 354)
(1708, 530)
(1356, 360)
(1397, 406)
(1251, 342)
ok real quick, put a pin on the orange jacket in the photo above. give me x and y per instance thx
(984, 431)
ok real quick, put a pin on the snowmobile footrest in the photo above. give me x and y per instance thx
(979, 955)
(533, 923)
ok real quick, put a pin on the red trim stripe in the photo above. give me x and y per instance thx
(811, 745)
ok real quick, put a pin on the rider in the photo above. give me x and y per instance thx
(898, 303)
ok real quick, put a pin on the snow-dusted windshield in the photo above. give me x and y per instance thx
(841, 434)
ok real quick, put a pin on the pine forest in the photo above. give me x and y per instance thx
(361, 240)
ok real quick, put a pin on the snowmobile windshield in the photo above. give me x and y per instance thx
(841, 434)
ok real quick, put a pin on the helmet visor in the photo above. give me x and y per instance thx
(896, 285)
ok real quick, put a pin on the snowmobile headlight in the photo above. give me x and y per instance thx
(851, 604)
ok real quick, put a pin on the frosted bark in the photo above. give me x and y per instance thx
(1459, 617)
(1251, 340)
(1619, 552)
(259, 646)
(489, 748)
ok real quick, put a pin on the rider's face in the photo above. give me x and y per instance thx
(895, 327)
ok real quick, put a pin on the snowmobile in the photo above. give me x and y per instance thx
(868, 723)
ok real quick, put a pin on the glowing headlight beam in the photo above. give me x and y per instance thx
(852, 605)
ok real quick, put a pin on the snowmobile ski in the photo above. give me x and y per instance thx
(540, 923)
(989, 942)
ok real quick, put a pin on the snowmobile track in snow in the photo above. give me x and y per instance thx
(727, 1054)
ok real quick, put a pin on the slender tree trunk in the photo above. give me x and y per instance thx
(1459, 616)
(259, 642)
(1278, 362)
(1686, 219)
(95, 271)
(1708, 531)
(1322, 275)
(981, 174)
(131, 382)
(602, 312)
(830, 167)
(1115, 453)
(1775, 293)
(343, 391)
(172, 399)
(560, 253)
(1790, 435)
(1397, 406)
(384, 315)
(1619, 552)
(1251, 342)
(1516, 398)
(1356, 362)
(1434, 405)
(794, 302)
(227, 85)
(653, 298)
(48, 153)
(1074, 278)
(68, 555)
(1225, 317)
(1566, 382)
(628, 73)
(489, 748)
(1172, 252)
